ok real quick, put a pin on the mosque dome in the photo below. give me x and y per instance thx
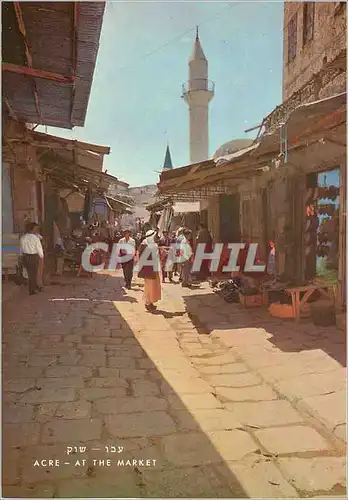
(232, 147)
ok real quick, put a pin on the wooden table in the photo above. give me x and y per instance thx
(326, 291)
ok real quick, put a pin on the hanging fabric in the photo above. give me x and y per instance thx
(57, 239)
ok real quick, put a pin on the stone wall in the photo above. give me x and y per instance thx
(329, 39)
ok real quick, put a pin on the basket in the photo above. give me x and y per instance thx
(323, 313)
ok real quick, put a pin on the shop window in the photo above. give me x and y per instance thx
(292, 38)
(308, 22)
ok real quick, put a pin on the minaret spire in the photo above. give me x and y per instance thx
(168, 165)
(197, 34)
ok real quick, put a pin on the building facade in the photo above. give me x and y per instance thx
(314, 36)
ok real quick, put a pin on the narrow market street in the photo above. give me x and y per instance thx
(254, 409)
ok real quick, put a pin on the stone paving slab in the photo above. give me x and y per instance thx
(328, 408)
(265, 413)
(315, 474)
(294, 439)
(207, 409)
(261, 478)
(261, 392)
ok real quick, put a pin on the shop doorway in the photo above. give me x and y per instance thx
(229, 219)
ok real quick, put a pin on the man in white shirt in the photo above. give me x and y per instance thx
(31, 251)
(127, 266)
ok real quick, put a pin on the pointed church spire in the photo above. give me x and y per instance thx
(197, 49)
(167, 160)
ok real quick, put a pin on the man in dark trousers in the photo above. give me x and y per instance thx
(31, 251)
(127, 266)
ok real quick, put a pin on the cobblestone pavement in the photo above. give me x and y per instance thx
(255, 409)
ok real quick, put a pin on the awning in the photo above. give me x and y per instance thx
(66, 173)
(211, 178)
(159, 205)
(71, 163)
(305, 122)
(49, 51)
(314, 122)
(119, 205)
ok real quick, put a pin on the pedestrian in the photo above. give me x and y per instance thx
(150, 273)
(32, 253)
(179, 238)
(128, 266)
(164, 247)
(187, 251)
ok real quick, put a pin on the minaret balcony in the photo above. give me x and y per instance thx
(198, 84)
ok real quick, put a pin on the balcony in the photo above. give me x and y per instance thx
(198, 84)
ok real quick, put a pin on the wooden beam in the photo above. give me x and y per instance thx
(37, 73)
(80, 145)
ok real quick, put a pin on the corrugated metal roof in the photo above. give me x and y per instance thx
(49, 34)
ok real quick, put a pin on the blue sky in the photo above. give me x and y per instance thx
(135, 105)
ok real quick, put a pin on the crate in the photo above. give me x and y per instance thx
(251, 300)
(279, 310)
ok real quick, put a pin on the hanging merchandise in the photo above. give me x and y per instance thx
(329, 193)
(323, 250)
(57, 239)
(333, 193)
(323, 238)
(310, 210)
(328, 209)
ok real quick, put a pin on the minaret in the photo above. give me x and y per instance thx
(198, 92)
(167, 165)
